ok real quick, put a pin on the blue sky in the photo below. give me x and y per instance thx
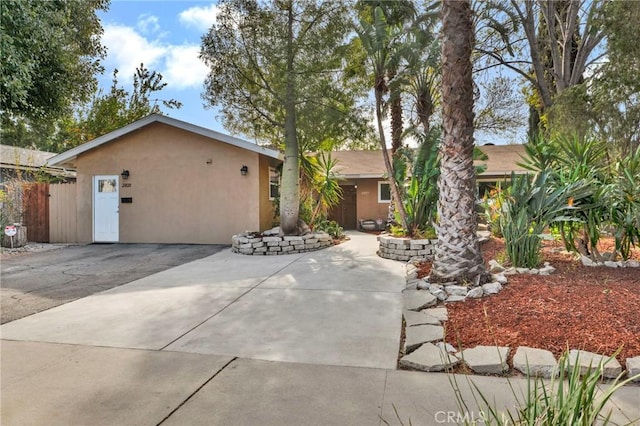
(165, 36)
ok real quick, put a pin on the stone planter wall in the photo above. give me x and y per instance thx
(405, 249)
(251, 244)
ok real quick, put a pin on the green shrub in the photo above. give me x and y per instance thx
(530, 205)
(331, 227)
(570, 399)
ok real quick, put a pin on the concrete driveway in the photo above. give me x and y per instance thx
(38, 281)
(199, 344)
(338, 306)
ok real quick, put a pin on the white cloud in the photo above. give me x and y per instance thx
(200, 18)
(183, 67)
(127, 49)
(179, 64)
(148, 24)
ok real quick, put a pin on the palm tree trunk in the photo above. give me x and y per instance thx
(457, 258)
(395, 193)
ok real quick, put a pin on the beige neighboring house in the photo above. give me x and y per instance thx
(24, 164)
(366, 193)
(162, 180)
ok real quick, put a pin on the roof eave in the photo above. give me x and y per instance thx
(69, 156)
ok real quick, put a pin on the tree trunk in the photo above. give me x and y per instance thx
(395, 194)
(290, 186)
(457, 258)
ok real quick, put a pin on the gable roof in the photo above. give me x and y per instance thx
(72, 154)
(17, 158)
(502, 161)
(359, 164)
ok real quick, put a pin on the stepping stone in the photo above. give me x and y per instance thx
(416, 336)
(535, 362)
(487, 359)
(412, 318)
(456, 299)
(440, 313)
(429, 357)
(443, 346)
(633, 368)
(589, 360)
(413, 284)
(416, 300)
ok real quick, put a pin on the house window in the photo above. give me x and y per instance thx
(274, 183)
(107, 185)
(384, 192)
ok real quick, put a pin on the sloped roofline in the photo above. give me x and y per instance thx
(73, 153)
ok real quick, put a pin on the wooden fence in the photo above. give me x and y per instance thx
(36, 211)
(62, 213)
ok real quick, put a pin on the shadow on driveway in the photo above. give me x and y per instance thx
(42, 280)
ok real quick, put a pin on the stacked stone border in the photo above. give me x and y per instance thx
(406, 249)
(424, 347)
(256, 244)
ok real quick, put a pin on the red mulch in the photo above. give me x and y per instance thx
(596, 309)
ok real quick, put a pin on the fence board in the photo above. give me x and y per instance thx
(62, 213)
(36, 211)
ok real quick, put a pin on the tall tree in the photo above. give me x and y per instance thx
(270, 63)
(457, 258)
(549, 43)
(608, 104)
(380, 40)
(50, 52)
(110, 111)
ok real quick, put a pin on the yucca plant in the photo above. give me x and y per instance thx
(320, 189)
(571, 159)
(623, 197)
(529, 206)
(421, 194)
(570, 399)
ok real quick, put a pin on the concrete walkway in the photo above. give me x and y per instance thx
(202, 343)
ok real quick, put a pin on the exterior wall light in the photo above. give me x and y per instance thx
(125, 174)
(244, 170)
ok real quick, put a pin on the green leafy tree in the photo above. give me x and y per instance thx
(274, 68)
(549, 44)
(50, 52)
(110, 111)
(607, 105)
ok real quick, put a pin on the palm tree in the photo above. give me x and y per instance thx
(378, 40)
(457, 258)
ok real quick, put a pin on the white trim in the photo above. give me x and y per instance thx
(380, 200)
(73, 153)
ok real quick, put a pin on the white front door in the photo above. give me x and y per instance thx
(106, 206)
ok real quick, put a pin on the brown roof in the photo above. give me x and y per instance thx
(502, 161)
(13, 157)
(16, 156)
(359, 164)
